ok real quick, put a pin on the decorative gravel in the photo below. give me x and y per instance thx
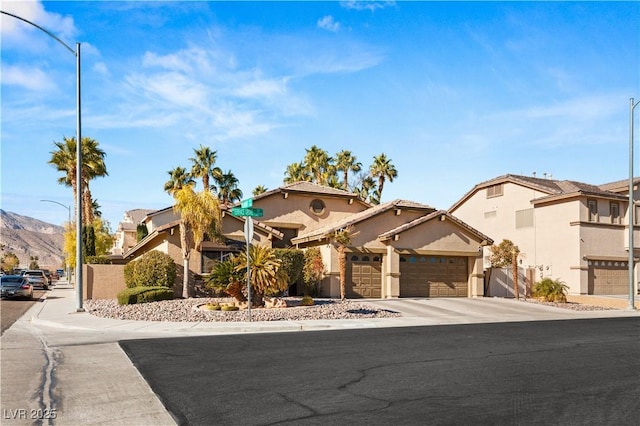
(570, 306)
(186, 310)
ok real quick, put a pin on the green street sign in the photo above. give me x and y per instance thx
(242, 211)
(247, 203)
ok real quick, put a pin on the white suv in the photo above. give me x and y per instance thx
(38, 273)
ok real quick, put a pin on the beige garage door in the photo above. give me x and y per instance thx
(608, 277)
(365, 271)
(433, 276)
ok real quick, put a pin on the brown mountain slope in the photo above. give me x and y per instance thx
(26, 237)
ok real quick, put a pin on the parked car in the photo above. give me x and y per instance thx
(37, 278)
(15, 286)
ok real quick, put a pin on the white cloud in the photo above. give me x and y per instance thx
(33, 11)
(327, 23)
(101, 68)
(28, 78)
(366, 4)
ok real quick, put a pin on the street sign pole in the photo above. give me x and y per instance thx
(247, 211)
(248, 234)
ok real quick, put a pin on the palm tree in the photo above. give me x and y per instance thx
(346, 162)
(199, 213)
(95, 207)
(267, 276)
(382, 169)
(228, 190)
(296, 172)
(64, 159)
(203, 166)
(93, 166)
(342, 237)
(260, 189)
(317, 163)
(366, 189)
(178, 178)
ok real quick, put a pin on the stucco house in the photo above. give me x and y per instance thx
(126, 234)
(572, 231)
(398, 249)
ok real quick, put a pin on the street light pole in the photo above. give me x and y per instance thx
(76, 53)
(632, 106)
(69, 224)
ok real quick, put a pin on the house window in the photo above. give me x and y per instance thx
(636, 215)
(524, 218)
(490, 215)
(615, 212)
(593, 210)
(494, 190)
(317, 207)
(211, 257)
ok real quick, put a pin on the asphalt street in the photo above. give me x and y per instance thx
(12, 309)
(571, 372)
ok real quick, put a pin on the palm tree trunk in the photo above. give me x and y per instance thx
(185, 278)
(342, 262)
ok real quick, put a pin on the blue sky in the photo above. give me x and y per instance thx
(454, 93)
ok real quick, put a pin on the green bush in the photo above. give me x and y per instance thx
(292, 262)
(307, 301)
(229, 308)
(129, 273)
(152, 269)
(551, 290)
(134, 295)
(98, 260)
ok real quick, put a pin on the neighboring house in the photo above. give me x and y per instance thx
(399, 248)
(126, 234)
(572, 231)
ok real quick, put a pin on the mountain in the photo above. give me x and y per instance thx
(26, 237)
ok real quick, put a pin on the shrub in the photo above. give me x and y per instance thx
(134, 295)
(292, 263)
(551, 290)
(129, 273)
(153, 269)
(212, 306)
(229, 308)
(307, 301)
(313, 271)
(98, 260)
(224, 277)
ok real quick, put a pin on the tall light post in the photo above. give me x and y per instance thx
(632, 106)
(69, 222)
(76, 53)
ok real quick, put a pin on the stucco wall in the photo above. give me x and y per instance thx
(102, 281)
(295, 210)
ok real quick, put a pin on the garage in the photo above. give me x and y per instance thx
(365, 271)
(433, 276)
(608, 277)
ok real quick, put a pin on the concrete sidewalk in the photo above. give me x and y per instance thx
(60, 363)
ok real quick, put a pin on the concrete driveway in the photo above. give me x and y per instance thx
(481, 310)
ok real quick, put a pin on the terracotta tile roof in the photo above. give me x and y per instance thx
(324, 231)
(619, 185)
(553, 188)
(310, 188)
(137, 215)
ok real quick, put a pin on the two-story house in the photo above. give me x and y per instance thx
(572, 231)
